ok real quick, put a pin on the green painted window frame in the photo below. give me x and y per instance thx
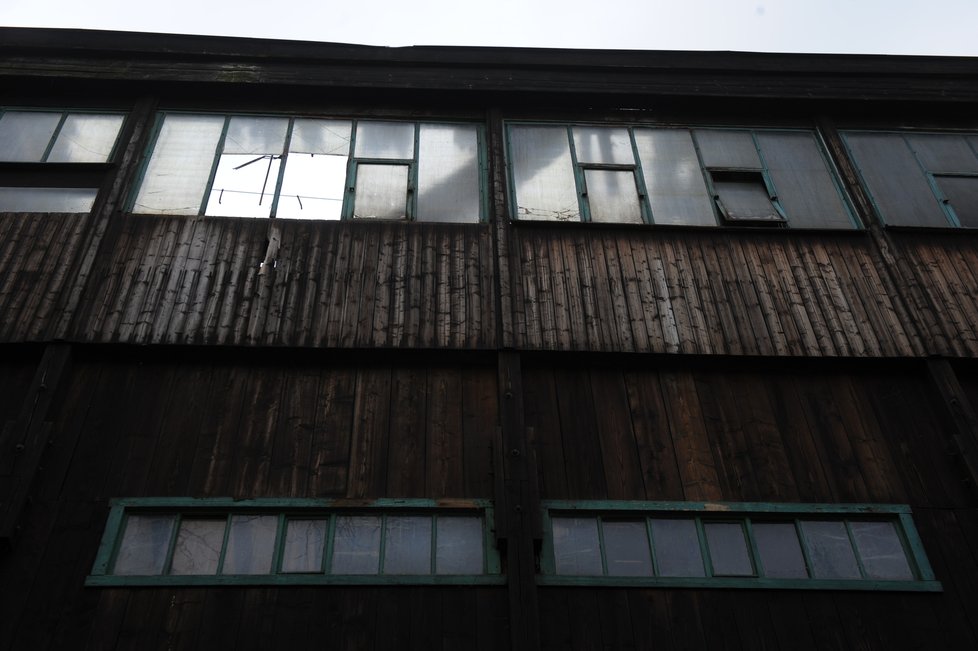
(285, 509)
(353, 162)
(641, 174)
(745, 513)
(64, 113)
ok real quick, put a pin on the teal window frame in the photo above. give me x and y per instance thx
(641, 174)
(747, 514)
(64, 113)
(353, 162)
(286, 509)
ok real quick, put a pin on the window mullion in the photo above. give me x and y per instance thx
(281, 168)
(177, 523)
(327, 564)
(224, 544)
(412, 189)
(704, 548)
(601, 546)
(54, 136)
(755, 556)
(582, 203)
(214, 164)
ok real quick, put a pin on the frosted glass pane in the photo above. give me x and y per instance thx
(612, 197)
(829, 550)
(356, 545)
(176, 177)
(780, 552)
(385, 140)
(677, 548)
(543, 174)
(728, 149)
(256, 136)
(244, 186)
(626, 548)
(144, 545)
(961, 193)
(944, 153)
(381, 192)
(313, 187)
(47, 199)
(745, 200)
(448, 173)
(728, 549)
(303, 548)
(459, 549)
(576, 548)
(408, 547)
(881, 550)
(677, 190)
(330, 137)
(25, 135)
(198, 547)
(603, 145)
(251, 542)
(895, 180)
(802, 181)
(86, 139)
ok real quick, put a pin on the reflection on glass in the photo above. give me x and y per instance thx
(448, 173)
(673, 178)
(728, 549)
(313, 187)
(381, 192)
(391, 140)
(356, 545)
(459, 549)
(677, 548)
(144, 545)
(303, 548)
(626, 548)
(962, 195)
(408, 546)
(543, 174)
(251, 542)
(829, 550)
(47, 199)
(256, 136)
(576, 548)
(198, 547)
(244, 186)
(25, 135)
(603, 145)
(881, 550)
(779, 550)
(86, 139)
(612, 197)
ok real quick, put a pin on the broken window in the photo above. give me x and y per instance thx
(308, 168)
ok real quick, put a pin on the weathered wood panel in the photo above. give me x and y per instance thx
(706, 293)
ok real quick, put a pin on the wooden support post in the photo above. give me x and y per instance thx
(29, 438)
(959, 414)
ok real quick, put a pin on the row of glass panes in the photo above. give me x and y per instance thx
(744, 547)
(276, 543)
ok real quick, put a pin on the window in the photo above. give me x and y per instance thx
(692, 177)
(919, 179)
(807, 546)
(218, 541)
(311, 168)
(70, 146)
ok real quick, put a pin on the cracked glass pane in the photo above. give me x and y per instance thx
(356, 545)
(448, 173)
(144, 545)
(324, 137)
(303, 549)
(251, 542)
(459, 549)
(543, 174)
(408, 546)
(381, 192)
(313, 187)
(577, 551)
(881, 551)
(392, 140)
(728, 549)
(779, 550)
(626, 548)
(198, 547)
(244, 186)
(86, 138)
(47, 199)
(829, 550)
(25, 135)
(677, 548)
(256, 136)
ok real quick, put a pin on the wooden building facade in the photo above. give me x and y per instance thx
(500, 362)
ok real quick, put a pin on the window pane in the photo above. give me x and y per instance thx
(328, 137)
(448, 173)
(733, 149)
(603, 145)
(677, 548)
(728, 549)
(381, 192)
(780, 551)
(543, 174)
(896, 182)
(251, 542)
(829, 550)
(303, 548)
(144, 545)
(313, 187)
(385, 140)
(176, 177)
(459, 548)
(256, 136)
(576, 548)
(244, 186)
(675, 183)
(961, 193)
(47, 199)
(408, 548)
(612, 197)
(198, 547)
(881, 551)
(802, 181)
(25, 135)
(86, 139)
(356, 545)
(944, 153)
(626, 548)
(744, 198)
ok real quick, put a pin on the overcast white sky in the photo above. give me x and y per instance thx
(848, 26)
